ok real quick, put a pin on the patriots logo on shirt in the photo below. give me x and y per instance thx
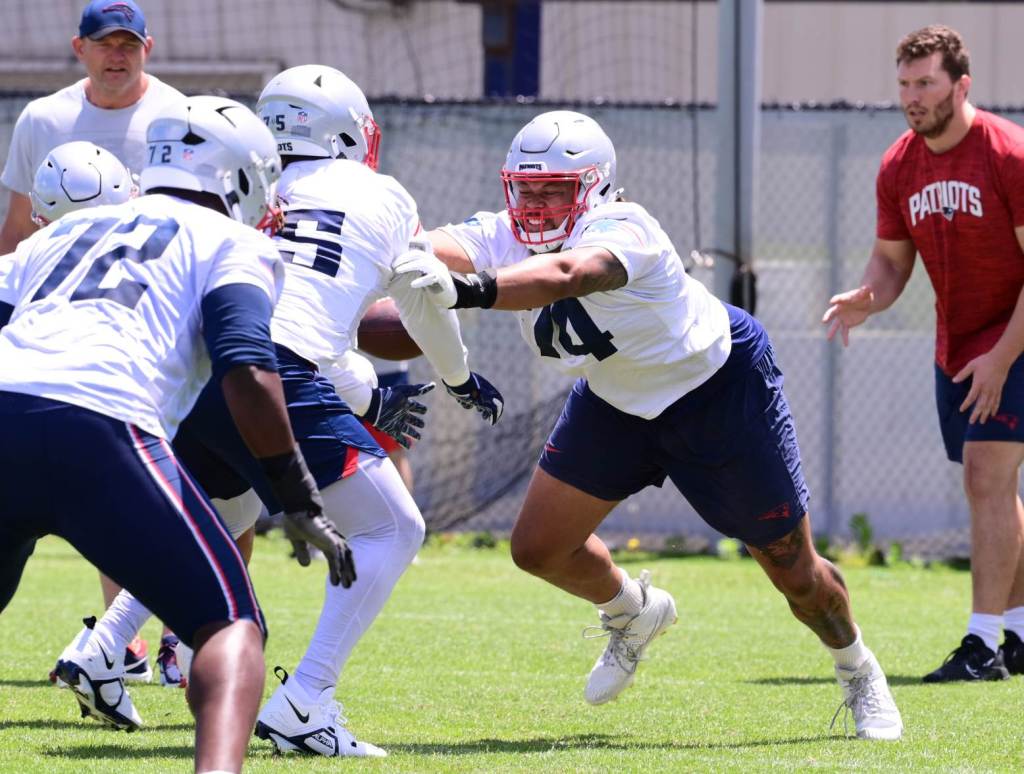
(602, 225)
(947, 213)
(472, 221)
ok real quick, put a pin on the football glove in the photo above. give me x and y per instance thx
(393, 411)
(478, 393)
(295, 489)
(427, 272)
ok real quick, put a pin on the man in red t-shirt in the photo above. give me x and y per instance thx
(952, 189)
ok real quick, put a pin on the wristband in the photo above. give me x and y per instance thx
(475, 290)
(292, 483)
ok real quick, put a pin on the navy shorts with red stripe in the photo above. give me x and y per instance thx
(1007, 424)
(729, 446)
(121, 497)
(327, 431)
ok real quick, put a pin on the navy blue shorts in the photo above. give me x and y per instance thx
(329, 434)
(1007, 424)
(124, 501)
(729, 446)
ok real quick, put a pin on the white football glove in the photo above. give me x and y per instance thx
(427, 272)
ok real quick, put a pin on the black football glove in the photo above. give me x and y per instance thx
(393, 411)
(478, 393)
(304, 521)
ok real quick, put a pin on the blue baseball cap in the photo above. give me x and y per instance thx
(102, 17)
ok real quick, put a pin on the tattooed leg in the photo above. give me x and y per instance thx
(812, 585)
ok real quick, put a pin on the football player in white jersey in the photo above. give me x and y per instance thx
(111, 320)
(343, 227)
(673, 383)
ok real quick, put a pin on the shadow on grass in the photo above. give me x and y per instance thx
(588, 742)
(110, 751)
(804, 680)
(24, 683)
(82, 725)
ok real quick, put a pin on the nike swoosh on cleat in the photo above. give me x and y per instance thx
(106, 659)
(299, 715)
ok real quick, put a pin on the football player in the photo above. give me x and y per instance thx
(343, 226)
(673, 384)
(72, 176)
(112, 320)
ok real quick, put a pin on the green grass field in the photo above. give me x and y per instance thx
(475, 666)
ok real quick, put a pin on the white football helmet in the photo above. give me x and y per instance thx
(314, 110)
(75, 175)
(558, 146)
(219, 146)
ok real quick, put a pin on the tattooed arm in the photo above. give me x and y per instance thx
(543, 279)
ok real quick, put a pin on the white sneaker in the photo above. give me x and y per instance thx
(295, 724)
(98, 683)
(629, 637)
(866, 694)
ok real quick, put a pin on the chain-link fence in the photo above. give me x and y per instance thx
(865, 416)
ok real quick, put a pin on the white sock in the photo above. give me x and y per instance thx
(987, 627)
(1013, 621)
(120, 623)
(382, 524)
(629, 600)
(853, 655)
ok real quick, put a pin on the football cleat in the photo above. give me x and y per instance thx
(136, 661)
(866, 695)
(1012, 651)
(77, 644)
(172, 674)
(97, 681)
(629, 636)
(295, 724)
(973, 660)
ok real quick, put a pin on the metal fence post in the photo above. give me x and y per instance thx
(833, 193)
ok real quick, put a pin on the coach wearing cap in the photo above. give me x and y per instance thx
(111, 106)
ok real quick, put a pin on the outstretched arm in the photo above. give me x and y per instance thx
(544, 279)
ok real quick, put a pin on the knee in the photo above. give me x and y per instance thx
(985, 482)
(530, 555)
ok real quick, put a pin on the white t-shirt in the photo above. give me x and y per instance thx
(642, 346)
(344, 226)
(67, 115)
(107, 306)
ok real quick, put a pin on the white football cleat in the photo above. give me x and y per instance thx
(73, 647)
(629, 636)
(295, 724)
(98, 683)
(866, 694)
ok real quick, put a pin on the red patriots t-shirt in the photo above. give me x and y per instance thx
(960, 209)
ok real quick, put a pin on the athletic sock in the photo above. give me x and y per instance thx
(119, 625)
(1013, 621)
(629, 600)
(987, 627)
(853, 655)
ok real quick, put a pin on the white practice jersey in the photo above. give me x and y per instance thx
(107, 306)
(642, 346)
(344, 226)
(68, 115)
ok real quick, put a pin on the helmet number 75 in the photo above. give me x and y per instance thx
(556, 319)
